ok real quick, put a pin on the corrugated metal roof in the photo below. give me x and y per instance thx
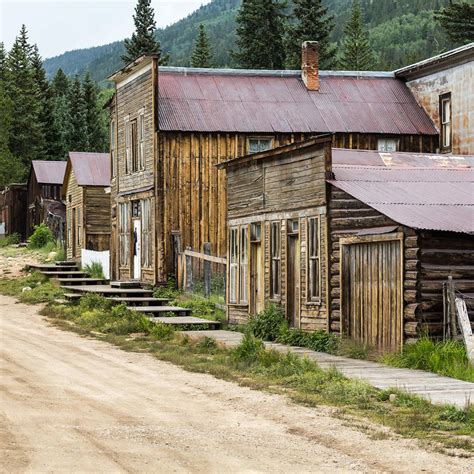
(49, 172)
(422, 198)
(190, 100)
(343, 156)
(91, 169)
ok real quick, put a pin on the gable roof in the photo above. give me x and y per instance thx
(90, 169)
(213, 100)
(49, 172)
(433, 198)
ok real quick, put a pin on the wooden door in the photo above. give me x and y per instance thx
(372, 291)
(257, 295)
(293, 281)
(137, 252)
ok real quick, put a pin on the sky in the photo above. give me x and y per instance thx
(62, 25)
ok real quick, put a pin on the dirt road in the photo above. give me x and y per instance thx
(72, 404)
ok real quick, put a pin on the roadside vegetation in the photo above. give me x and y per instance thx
(94, 270)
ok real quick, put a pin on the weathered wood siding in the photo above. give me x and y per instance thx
(97, 218)
(74, 200)
(13, 210)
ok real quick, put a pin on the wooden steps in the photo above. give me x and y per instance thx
(140, 300)
(44, 267)
(64, 273)
(107, 290)
(186, 320)
(81, 281)
(161, 310)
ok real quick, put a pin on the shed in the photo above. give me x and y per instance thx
(44, 196)
(86, 190)
(13, 210)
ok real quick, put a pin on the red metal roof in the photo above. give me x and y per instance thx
(49, 172)
(91, 169)
(418, 197)
(266, 102)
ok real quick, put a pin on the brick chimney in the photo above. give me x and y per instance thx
(310, 65)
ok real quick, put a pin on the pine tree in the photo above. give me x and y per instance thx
(202, 54)
(3, 60)
(357, 54)
(311, 23)
(61, 131)
(26, 138)
(458, 20)
(78, 137)
(93, 125)
(60, 84)
(143, 39)
(260, 34)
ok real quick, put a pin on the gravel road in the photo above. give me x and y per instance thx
(74, 404)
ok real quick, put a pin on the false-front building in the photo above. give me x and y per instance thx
(354, 242)
(86, 190)
(170, 127)
(44, 197)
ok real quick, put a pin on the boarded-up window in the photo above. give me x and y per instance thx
(314, 273)
(275, 249)
(234, 264)
(244, 272)
(147, 244)
(141, 140)
(124, 234)
(112, 148)
(445, 116)
(135, 165)
(128, 146)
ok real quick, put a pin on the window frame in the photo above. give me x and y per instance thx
(233, 291)
(313, 261)
(259, 139)
(146, 230)
(141, 139)
(444, 124)
(243, 267)
(113, 162)
(275, 260)
(134, 144)
(124, 234)
(128, 141)
(385, 140)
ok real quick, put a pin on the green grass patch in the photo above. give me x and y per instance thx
(12, 239)
(94, 270)
(445, 358)
(32, 289)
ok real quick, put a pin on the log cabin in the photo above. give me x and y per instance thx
(171, 126)
(44, 197)
(349, 241)
(444, 86)
(13, 211)
(86, 191)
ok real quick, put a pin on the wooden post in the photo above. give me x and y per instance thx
(176, 240)
(465, 326)
(452, 308)
(207, 271)
(189, 273)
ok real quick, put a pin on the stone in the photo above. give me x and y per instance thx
(392, 397)
(25, 289)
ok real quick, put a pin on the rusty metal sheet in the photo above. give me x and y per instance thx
(49, 172)
(91, 169)
(273, 103)
(419, 197)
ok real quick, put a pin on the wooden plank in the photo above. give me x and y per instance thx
(465, 326)
(203, 256)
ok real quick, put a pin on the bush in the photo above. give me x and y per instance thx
(167, 291)
(269, 323)
(249, 350)
(41, 236)
(11, 239)
(445, 358)
(94, 270)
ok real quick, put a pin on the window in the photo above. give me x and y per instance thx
(69, 230)
(136, 209)
(147, 244)
(141, 140)
(445, 118)
(256, 232)
(234, 264)
(259, 144)
(128, 145)
(124, 234)
(243, 295)
(78, 226)
(387, 145)
(275, 272)
(112, 148)
(135, 165)
(293, 226)
(314, 290)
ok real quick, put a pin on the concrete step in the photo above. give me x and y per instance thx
(107, 290)
(80, 281)
(186, 320)
(161, 310)
(72, 296)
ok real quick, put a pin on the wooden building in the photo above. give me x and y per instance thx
(13, 210)
(86, 190)
(170, 127)
(444, 86)
(44, 197)
(353, 242)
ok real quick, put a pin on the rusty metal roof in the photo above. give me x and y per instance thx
(91, 169)
(343, 156)
(49, 172)
(434, 198)
(222, 101)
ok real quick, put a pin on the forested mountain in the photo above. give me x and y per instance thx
(401, 32)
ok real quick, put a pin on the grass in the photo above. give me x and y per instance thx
(12, 239)
(94, 270)
(445, 358)
(251, 365)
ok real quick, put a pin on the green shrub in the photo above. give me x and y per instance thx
(167, 290)
(41, 236)
(11, 239)
(249, 350)
(355, 349)
(269, 323)
(94, 270)
(445, 358)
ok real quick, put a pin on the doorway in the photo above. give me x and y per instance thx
(137, 251)
(293, 275)
(257, 296)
